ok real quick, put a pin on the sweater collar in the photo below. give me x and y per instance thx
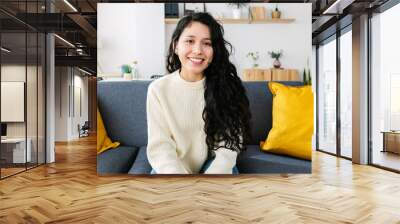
(194, 85)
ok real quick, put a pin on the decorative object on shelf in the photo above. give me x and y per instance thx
(257, 13)
(307, 74)
(135, 71)
(276, 56)
(171, 10)
(237, 9)
(127, 72)
(276, 14)
(190, 8)
(307, 77)
(156, 76)
(254, 56)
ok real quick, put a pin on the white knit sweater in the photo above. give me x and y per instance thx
(176, 137)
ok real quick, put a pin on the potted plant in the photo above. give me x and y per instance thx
(254, 56)
(237, 9)
(276, 56)
(307, 74)
(307, 77)
(126, 72)
(276, 14)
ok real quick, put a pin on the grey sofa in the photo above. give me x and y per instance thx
(123, 108)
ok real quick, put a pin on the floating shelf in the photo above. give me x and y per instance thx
(241, 21)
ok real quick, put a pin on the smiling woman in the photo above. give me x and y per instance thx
(190, 127)
(196, 118)
(194, 50)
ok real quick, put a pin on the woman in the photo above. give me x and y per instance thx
(198, 116)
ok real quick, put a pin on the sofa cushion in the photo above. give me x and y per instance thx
(260, 99)
(141, 164)
(123, 108)
(118, 160)
(253, 160)
(291, 132)
(103, 141)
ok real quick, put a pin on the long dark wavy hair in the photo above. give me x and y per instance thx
(226, 113)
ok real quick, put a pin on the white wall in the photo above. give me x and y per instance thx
(117, 42)
(128, 32)
(16, 73)
(62, 80)
(294, 39)
(68, 83)
(33, 126)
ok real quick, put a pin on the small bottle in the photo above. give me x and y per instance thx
(135, 71)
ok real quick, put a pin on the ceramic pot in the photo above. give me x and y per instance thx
(128, 76)
(277, 63)
(276, 14)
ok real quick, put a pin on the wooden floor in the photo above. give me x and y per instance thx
(10, 171)
(387, 159)
(69, 191)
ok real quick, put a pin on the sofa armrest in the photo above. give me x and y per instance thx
(118, 160)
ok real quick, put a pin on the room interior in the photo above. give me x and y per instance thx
(49, 74)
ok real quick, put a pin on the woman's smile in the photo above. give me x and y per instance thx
(196, 60)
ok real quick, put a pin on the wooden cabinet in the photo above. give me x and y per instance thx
(391, 142)
(273, 74)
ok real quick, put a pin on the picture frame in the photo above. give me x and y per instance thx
(189, 8)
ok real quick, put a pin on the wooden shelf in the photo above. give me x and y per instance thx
(270, 74)
(240, 21)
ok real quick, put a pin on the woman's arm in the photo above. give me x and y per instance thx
(161, 148)
(223, 163)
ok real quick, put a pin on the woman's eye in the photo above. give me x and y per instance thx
(189, 41)
(207, 44)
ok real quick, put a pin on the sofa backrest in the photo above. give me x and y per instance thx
(123, 108)
(122, 105)
(260, 99)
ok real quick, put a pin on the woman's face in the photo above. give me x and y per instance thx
(194, 48)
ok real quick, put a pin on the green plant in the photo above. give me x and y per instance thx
(307, 74)
(275, 55)
(238, 5)
(307, 77)
(254, 56)
(126, 69)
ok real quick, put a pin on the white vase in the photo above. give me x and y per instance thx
(128, 76)
(236, 13)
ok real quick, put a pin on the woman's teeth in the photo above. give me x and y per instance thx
(196, 60)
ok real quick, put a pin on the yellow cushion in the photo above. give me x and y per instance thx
(103, 141)
(292, 121)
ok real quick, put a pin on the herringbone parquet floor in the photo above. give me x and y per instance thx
(69, 191)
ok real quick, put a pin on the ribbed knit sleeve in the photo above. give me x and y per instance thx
(223, 163)
(161, 148)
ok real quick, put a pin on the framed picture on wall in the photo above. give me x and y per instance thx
(189, 8)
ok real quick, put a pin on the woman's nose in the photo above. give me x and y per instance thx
(197, 48)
